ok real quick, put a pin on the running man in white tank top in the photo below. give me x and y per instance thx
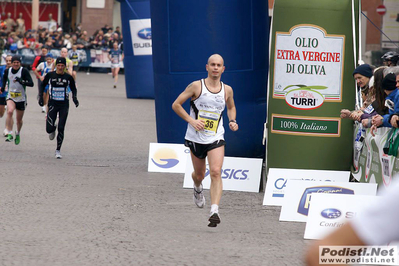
(205, 131)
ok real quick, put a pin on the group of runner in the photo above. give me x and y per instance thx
(55, 83)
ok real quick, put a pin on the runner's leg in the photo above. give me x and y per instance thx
(51, 119)
(2, 110)
(199, 170)
(19, 116)
(215, 160)
(116, 73)
(63, 115)
(10, 112)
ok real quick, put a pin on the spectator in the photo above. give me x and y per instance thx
(67, 41)
(58, 41)
(78, 29)
(118, 30)
(114, 38)
(49, 43)
(83, 42)
(20, 44)
(105, 28)
(42, 37)
(99, 43)
(12, 38)
(378, 106)
(362, 75)
(392, 102)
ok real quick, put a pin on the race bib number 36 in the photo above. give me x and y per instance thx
(211, 121)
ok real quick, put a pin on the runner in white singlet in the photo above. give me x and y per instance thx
(205, 131)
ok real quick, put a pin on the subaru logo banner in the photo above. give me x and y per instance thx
(238, 174)
(140, 30)
(299, 195)
(331, 211)
(278, 180)
(167, 158)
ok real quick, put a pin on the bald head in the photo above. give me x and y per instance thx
(64, 52)
(216, 57)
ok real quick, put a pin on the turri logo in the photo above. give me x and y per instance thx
(304, 98)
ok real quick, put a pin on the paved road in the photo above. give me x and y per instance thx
(99, 205)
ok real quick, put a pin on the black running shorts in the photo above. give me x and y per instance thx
(2, 100)
(201, 150)
(19, 105)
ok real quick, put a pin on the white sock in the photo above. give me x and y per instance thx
(214, 208)
(16, 133)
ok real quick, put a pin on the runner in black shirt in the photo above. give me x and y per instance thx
(58, 82)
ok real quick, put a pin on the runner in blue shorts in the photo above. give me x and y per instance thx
(41, 70)
(116, 57)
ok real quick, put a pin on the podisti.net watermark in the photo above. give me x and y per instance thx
(380, 255)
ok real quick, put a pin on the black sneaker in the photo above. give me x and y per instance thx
(214, 220)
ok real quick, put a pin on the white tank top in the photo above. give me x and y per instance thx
(209, 107)
(16, 91)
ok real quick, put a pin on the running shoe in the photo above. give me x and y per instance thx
(114, 86)
(51, 136)
(17, 139)
(58, 154)
(5, 132)
(9, 138)
(199, 198)
(214, 219)
(43, 109)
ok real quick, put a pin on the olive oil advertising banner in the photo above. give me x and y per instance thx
(312, 56)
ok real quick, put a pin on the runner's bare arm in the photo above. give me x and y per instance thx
(344, 236)
(231, 108)
(36, 71)
(192, 91)
(70, 68)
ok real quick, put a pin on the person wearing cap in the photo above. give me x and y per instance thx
(58, 103)
(17, 78)
(392, 102)
(362, 75)
(42, 69)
